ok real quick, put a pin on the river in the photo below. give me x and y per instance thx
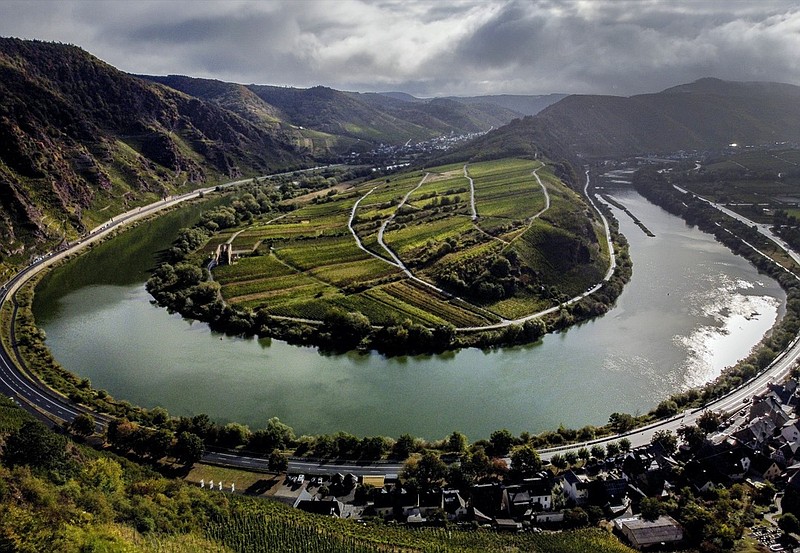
(690, 309)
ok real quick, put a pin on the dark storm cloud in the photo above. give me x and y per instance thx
(431, 47)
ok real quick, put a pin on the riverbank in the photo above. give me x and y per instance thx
(416, 394)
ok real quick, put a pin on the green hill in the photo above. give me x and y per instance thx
(78, 136)
(706, 114)
(379, 117)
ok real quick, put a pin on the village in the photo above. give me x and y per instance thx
(635, 493)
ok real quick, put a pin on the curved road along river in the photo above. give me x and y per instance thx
(54, 408)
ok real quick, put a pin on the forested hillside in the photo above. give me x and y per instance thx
(708, 114)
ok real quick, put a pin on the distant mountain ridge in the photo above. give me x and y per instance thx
(325, 120)
(709, 113)
(706, 114)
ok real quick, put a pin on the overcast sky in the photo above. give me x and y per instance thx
(429, 47)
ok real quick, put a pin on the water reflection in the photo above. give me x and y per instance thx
(690, 309)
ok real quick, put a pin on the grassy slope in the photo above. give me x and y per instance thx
(105, 503)
(314, 263)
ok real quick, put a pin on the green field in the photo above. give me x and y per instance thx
(307, 261)
(753, 183)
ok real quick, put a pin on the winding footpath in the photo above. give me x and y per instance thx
(397, 262)
(611, 267)
(471, 194)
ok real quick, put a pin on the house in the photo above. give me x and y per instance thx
(791, 431)
(772, 408)
(330, 507)
(755, 434)
(785, 392)
(532, 496)
(765, 468)
(454, 505)
(576, 487)
(486, 498)
(608, 490)
(645, 533)
(431, 503)
(548, 517)
(701, 478)
(396, 503)
(376, 481)
(383, 503)
(507, 524)
(734, 463)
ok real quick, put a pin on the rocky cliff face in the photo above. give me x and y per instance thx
(78, 136)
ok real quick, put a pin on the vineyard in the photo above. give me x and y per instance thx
(336, 250)
(247, 527)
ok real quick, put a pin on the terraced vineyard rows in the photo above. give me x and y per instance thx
(308, 261)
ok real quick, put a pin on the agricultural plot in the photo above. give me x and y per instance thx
(506, 190)
(345, 274)
(321, 252)
(412, 237)
(751, 182)
(249, 268)
(517, 307)
(310, 261)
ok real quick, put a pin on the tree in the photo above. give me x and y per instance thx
(103, 474)
(159, 416)
(575, 518)
(598, 451)
(346, 445)
(33, 444)
(709, 421)
(425, 472)
(692, 435)
(475, 466)
(121, 433)
(324, 447)
(612, 449)
(525, 462)
(276, 435)
(789, 523)
(278, 462)
(188, 448)
(625, 445)
(667, 440)
(457, 442)
(621, 422)
(83, 425)
(233, 435)
(404, 447)
(346, 330)
(159, 442)
(584, 454)
(372, 448)
(666, 408)
(572, 457)
(500, 442)
(650, 508)
(559, 461)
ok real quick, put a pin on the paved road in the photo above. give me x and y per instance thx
(764, 229)
(31, 394)
(53, 408)
(730, 403)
